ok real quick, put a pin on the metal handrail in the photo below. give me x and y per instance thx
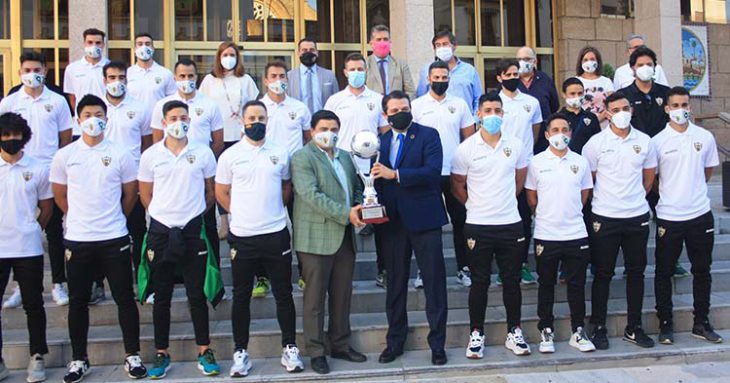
(722, 116)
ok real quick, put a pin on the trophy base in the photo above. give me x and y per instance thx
(374, 215)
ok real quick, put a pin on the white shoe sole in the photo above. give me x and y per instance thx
(83, 376)
(582, 348)
(164, 374)
(547, 348)
(36, 380)
(474, 355)
(292, 368)
(517, 350)
(243, 373)
(202, 370)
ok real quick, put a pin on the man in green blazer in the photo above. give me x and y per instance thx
(327, 198)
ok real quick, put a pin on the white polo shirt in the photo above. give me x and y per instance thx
(559, 182)
(178, 190)
(490, 179)
(127, 123)
(448, 117)
(356, 113)
(94, 177)
(150, 85)
(22, 185)
(205, 117)
(47, 116)
(619, 164)
(520, 114)
(287, 120)
(82, 78)
(681, 160)
(255, 175)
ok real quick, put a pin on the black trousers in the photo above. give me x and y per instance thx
(698, 235)
(505, 243)
(192, 266)
(137, 226)
(54, 236)
(378, 235)
(28, 272)
(631, 236)
(111, 259)
(526, 215)
(574, 256)
(290, 211)
(273, 251)
(398, 246)
(457, 216)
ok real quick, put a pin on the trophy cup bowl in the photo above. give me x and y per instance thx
(366, 145)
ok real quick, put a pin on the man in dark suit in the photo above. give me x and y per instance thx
(408, 181)
(309, 82)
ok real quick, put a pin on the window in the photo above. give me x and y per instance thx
(130, 17)
(623, 9)
(706, 11)
(44, 29)
(4, 20)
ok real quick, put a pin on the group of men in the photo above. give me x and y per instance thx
(151, 145)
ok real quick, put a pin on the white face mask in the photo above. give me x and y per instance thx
(525, 67)
(574, 102)
(186, 86)
(679, 116)
(444, 53)
(559, 141)
(621, 120)
(645, 73)
(178, 129)
(93, 126)
(144, 52)
(590, 66)
(93, 52)
(116, 89)
(32, 80)
(278, 87)
(325, 140)
(228, 62)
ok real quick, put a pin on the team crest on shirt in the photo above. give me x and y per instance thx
(190, 158)
(527, 108)
(106, 160)
(452, 109)
(659, 101)
(234, 252)
(371, 106)
(274, 159)
(587, 121)
(698, 146)
(158, 80)
(507, 151)
(150, 255)
(131, 114)
(637, 149)
(596, 226)
(27, 176)
(661, 230)
(574, 169)
(68, 254)
(471, 242)
(199, 111)
(539, 249)
(48, 107)
(292, 115)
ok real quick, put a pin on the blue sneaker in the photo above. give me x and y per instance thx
(160, 367)
(207, 364)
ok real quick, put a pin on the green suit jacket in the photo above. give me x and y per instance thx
(321, 216)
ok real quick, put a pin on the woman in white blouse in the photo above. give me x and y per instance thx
(589, 70)
(229, 87)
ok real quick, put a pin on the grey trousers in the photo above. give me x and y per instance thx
(328, 276)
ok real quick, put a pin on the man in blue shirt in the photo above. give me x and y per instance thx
(537, 84)
(464, 81)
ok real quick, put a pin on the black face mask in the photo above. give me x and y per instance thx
(256, 131)
(11, 147)
(440, 87)
(401, 120)
(511, 84)
(308, 59)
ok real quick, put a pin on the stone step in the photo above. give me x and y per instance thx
(416, 365)
(366, 298)
(368, 332)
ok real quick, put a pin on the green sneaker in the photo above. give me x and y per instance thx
(680, 272)
(160, 367)
(499, 280)
(207, 364)
(301, 284)
(527, 278)
(262, 288)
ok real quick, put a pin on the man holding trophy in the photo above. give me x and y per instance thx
(408, 182)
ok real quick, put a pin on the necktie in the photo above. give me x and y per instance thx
(383, 76)
(399, 152)
(310, 92)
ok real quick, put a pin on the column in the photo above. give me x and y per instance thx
(411, 27)
(660, 21)
(84, 14)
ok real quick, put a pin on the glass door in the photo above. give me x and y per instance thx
(5, 75)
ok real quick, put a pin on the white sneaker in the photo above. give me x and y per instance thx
(580, 340)
(36, 369)
(223, 227)
(241, 364)
(291, 360)
(15, 300)
(546, 340)
(150, 299)
(475, 349)
(464, 276)
(418, 282)
(59, 294)
(516, 342)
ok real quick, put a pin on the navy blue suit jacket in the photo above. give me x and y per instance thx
(415, 200)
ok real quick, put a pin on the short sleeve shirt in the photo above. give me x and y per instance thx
(286, 123)
(596, 91)
(490, 179)
(22, 185)
(356, 113)
(126, 123)
(150, 85)
(520, 114)
(205, 117)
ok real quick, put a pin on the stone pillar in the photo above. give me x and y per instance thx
(660, 21)
(84, 14)
(411, 27)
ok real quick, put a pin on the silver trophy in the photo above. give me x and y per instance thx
(366, 145)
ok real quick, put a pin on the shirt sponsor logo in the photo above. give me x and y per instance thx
(671, 151)
(106, 160)
(131, 114)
